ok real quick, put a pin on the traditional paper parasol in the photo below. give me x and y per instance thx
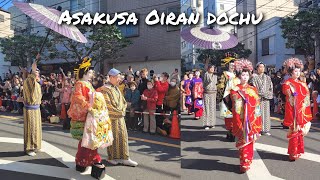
(49, 17)
(209, 38)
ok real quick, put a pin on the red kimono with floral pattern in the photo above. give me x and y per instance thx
(246, 121)
(297, 114)
(78, 112)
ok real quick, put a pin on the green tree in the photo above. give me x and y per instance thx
(210, 56)
(16, 48)
(301, 29)
(104, 42)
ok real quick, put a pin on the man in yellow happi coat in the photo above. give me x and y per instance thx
(31, 111)
(118, 153)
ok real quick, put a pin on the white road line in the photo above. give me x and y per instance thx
(58, 154)
(11, 140)
(51, 150)
(44, 170)
(280, 150)
(258, 169)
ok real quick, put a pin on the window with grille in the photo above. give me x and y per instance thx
(265, 46)
(129, 30)
(1, 18)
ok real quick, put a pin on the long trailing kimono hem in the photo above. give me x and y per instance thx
(80, 103)
(246, 121)
(297, 114)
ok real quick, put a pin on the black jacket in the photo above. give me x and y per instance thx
(143, 85)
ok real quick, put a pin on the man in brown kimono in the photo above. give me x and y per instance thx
(31, 111)
(118, 153)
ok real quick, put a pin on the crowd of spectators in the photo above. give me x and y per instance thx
(145, 94)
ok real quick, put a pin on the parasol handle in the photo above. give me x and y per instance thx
(43, 43)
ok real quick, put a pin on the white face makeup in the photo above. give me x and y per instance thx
(88, 75)
(231, 67)
(244, 78)
(296, 73)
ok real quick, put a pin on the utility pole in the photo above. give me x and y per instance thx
(317, 40)
(198, 7)
(29, 59)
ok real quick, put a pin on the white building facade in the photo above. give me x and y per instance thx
(265, 39)
(155, 47)
(272, 46)
(5, 32)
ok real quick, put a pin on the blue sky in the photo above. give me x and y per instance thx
(7, 5)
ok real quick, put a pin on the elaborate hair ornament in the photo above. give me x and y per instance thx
(86, 64)
(292, 63)
(243, 64)
(228, 58)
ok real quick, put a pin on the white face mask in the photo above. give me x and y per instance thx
(173, 83)
(150, 87)
(133, 88)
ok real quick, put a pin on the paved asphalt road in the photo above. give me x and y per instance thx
(158, 157)
(207, 155)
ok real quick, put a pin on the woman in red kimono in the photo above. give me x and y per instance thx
(79, 108)
(197, 92)
(246, 114)
(297, 108)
